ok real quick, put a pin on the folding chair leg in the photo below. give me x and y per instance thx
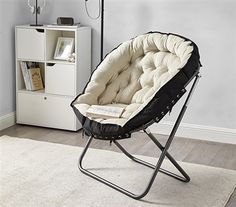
(186, 178)
(157, 167)
(172, 160)
(114, 186)
(106, 182)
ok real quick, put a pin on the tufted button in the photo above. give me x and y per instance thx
(157, 119)
(119, 137)
(162, 113)
(178, 96)
(173, 101)
(167, 107)
(127, 135)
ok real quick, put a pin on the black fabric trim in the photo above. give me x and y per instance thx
(162, 102)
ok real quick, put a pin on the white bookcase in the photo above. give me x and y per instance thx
(62, 80)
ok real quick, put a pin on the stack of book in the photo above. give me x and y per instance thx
(32, 77)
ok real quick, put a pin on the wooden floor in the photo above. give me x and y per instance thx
(187, 150)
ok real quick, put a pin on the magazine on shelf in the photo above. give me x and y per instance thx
(104, 111)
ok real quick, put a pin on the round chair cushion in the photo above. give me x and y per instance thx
(145, 75)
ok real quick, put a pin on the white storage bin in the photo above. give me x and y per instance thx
(45, 110)
(60, 79)
(30, 44)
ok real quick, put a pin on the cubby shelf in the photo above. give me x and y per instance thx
(31, 92)
(60, 62)
(62, 80)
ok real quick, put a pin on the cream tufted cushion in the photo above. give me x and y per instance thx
(132, 74)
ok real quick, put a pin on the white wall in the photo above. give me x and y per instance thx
(12, 12)
(211, 24)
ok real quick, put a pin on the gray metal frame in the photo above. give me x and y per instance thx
(157, 168)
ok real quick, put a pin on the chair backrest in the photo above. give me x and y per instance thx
(138, 68)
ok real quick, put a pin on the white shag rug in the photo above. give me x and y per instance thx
(41, 174)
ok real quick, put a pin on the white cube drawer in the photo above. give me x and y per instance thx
(45, 110)
(30, 43)
(60, 79)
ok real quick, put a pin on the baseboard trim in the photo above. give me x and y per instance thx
(7, 120)
(200, 132)
(191, 131)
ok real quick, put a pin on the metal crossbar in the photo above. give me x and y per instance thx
(156, 168)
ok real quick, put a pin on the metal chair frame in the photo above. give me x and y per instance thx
(157, 168)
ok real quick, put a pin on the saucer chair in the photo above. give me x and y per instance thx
(146, 75)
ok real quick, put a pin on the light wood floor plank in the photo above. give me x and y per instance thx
(203, 153)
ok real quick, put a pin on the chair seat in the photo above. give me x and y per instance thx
(129, 109)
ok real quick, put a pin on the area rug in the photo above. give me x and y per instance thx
(41, 174)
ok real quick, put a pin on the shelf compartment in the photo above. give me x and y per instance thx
(51, 41)
(20, 84)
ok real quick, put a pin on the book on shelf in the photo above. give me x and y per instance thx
(32, 77)
(24, 69)
(35, 79)
(104, 111)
